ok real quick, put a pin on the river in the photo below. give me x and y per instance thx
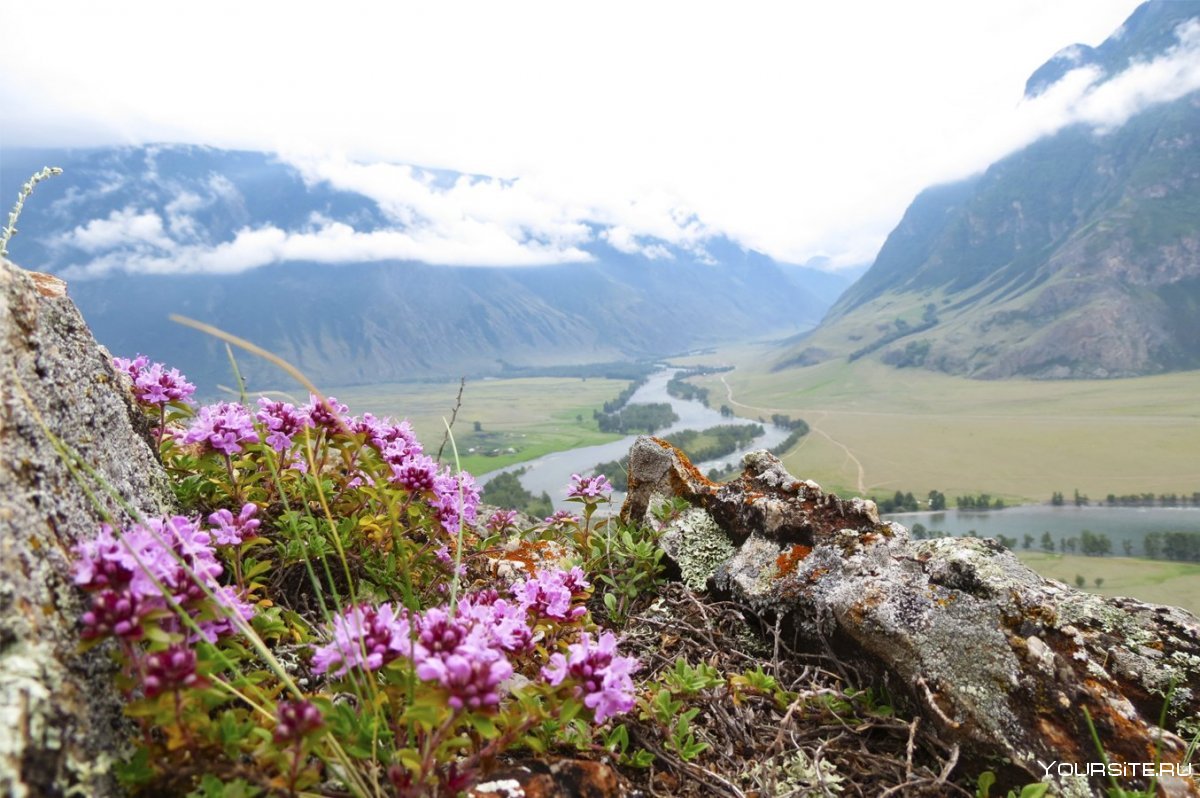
(1119, 523)
(551, 473)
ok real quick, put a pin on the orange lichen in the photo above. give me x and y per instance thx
(532, 555)
(787, 559)
(685, 462)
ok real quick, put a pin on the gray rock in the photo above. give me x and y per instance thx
(60, 715)
(1004, 663)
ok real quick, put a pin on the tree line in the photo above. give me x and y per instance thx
(647, 418)
(1131, 499)
(935, 501)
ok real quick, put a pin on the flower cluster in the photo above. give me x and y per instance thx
(466, 653)
(153, 383)
(562, 518)
(229, 530)
(282, 420)
(132, 575)
(501, 520)
(590, 489)
(222, 427)
(295, 720)
(551, 592)
(599, 675)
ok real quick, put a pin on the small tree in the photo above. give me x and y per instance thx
(1080, 581)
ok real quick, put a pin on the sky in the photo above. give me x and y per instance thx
(802, 130)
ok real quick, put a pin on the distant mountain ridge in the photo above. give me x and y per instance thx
(373, 321)
(1078, 256)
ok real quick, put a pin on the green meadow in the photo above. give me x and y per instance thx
(519, 419)
(876, 429)
(1155, 581)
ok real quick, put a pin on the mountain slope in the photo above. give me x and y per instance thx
(1078, 256)
(159, 211)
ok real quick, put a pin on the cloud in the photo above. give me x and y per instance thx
(140, 230)
(1088, 96)
(332, 243)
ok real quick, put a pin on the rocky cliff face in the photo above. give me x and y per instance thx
(1077, 256)
(1009, 667)
(59, 398)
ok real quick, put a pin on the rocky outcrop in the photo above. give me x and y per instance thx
(60, 715)
(1012, 668)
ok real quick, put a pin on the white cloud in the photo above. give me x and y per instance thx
(476, 245)
(123, 228)
(798, 129)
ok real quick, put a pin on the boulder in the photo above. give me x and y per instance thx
(1014, 669)
(59, 711)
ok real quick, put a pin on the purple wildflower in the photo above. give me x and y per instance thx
(563, 518)
(416, 474)
(130, 574)
(171, 669)
(589, 489)
(231, 531)
(366, 637)
(153, 383)
(224, 427)
(501, 520)
(295, 720)
(131, 367)
(328, 415)
(100, 562)
(114, 612)
(460, 656)
(283, 421)
(601, 676)
(549, 595)
(504, 621)
(455, 499)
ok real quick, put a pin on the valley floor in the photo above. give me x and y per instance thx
(877, 429)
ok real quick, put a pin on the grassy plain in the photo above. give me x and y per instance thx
(877, 429)
(1155, 581)
(530, 416)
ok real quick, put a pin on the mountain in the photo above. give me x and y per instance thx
(1077, 256)
(249, 243)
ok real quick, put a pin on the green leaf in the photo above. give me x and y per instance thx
(1034, 790)
(136, 770)
(984, 784)
(484, 725)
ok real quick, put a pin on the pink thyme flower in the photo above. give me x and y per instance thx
(295, 720)
(589, 489)
(550, 593)
(171, 669)
(153, 383)
(563, 518)
(129, 575)
(600, 676)
(329, 414)
(501, 520)
(366, 637)
(461, 656)
(283, 421)
(232, 531)
(416, 474)
(223, 427)
(455, 499)
(114, 612)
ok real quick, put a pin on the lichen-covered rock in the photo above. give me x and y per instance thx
(1006, 664)
(60, 718)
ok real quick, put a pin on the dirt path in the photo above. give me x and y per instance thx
(813, 426)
